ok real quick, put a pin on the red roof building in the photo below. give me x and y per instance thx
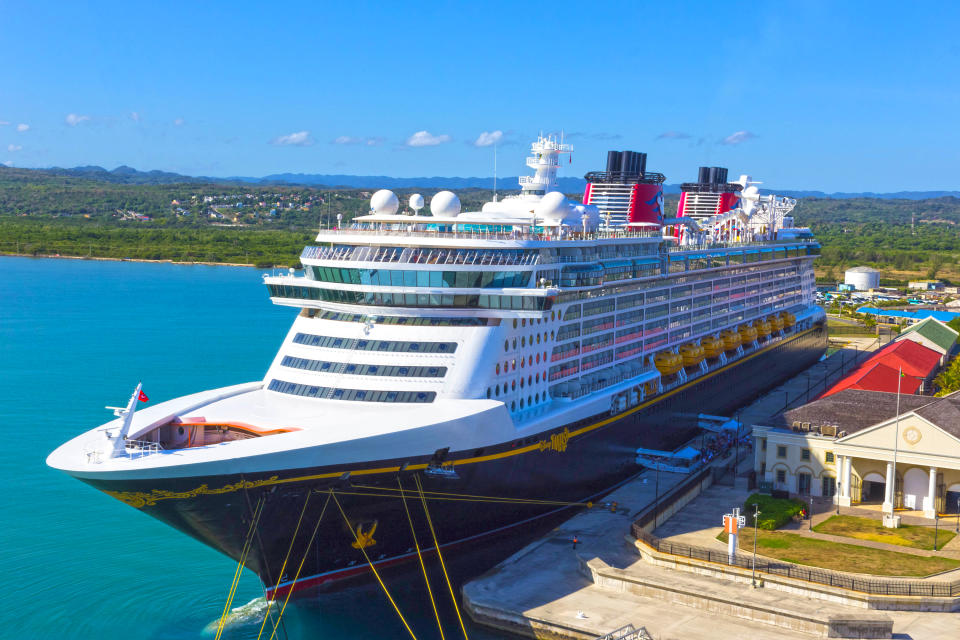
(881, 371)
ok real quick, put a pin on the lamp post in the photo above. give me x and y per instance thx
(958, 515)
(753, 570)
(936, 528)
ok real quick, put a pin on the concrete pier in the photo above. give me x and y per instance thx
(555, 589)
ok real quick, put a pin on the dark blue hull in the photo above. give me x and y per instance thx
(531, 479)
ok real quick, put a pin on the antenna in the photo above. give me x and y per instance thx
(494, 171)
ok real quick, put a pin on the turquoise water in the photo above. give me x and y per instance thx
(78, 335)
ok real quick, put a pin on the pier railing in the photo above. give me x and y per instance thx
(873, 585)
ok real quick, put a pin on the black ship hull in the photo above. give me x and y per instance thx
(477, 493)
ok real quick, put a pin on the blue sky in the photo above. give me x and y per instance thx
(848, 96)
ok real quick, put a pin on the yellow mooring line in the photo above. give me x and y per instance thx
(247, 545)
(443, 565)
(283, 567)
(373, 568)
(423, 567)
(306, 552)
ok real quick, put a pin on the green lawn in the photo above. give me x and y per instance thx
(791, 547)
(869, 529)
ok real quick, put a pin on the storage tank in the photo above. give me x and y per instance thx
(862, 278)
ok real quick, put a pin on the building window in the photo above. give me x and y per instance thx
(829, 456)
(781, 476)
(805, 454)
(781, 452)
(763, 444)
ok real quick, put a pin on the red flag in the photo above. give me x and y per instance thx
(143, 397)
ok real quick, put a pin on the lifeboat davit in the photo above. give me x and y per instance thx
(762, 327)
(712, 347)
(650, 387)
(747, 333)
(788, 318)
(691, 354)
(776, 323)
(731, 339)
(668, 362)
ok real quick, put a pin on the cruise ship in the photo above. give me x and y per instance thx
(453, 374)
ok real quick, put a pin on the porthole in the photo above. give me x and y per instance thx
(529, 400)
(523, 322)
(521, 383)
(513, 385)
(538, 338)
(552, 335)
(489, 393)
(514, 323)
(514, 343)
(513, 406)
(522, 362)
(529, 379)
(523, 341)
(513, 364)
(498, 390)
(536, 397)
(537, 378)
(538, 358)
(521, 403)
(498, 368)
(553, 315)
(506, 345)
(530, 360)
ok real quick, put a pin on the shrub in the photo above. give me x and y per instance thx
(774, 512)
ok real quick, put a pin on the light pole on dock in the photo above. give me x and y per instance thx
(753, 570)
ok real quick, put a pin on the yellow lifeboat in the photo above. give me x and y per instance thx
(731, 339)
(668, 362)
(776, 323)
(788, 318)
(691, 354)
(712, 347)
(762, 327)
(747, 333)
(651, 387)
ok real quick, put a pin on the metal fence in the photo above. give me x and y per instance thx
(872, 586)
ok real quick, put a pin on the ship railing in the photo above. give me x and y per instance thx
(571, 236)
(140, 448)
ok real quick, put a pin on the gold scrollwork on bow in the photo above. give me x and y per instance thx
(140, 499)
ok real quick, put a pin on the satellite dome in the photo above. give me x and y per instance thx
(445, 204)
(384, 202)
(552, 208)
(751, 193)
(416, 202)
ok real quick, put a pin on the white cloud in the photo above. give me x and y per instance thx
(370, 142)
(14, 147)
(3, 123)
(178, 122)
(673, 135)
(135, 116)
(488, 138)
(298, 139)
(74, 119)
(23, 127)
(738, 137)
(426, 139)
(8, 163)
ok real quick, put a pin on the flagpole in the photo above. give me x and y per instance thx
(896, 445)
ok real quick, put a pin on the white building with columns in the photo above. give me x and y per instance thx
(854, 447)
